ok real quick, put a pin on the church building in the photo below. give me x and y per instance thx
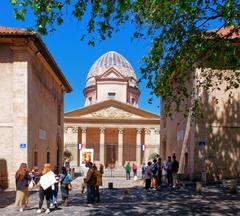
(110, 123)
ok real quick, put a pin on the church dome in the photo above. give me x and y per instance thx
(106, 61)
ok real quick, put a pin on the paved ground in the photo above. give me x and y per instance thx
(129, 198)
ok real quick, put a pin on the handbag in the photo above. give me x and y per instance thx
(70, 186)
(31, 184)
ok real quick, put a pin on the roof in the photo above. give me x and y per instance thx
(7, 32)
(227, 30)
(110, 111)
(114, 60)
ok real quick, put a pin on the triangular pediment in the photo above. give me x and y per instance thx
(111, 73)
(111, 109)
(111, 113)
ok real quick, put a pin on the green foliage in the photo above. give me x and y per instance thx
(67, 155)
(153, 156)
(178, 29)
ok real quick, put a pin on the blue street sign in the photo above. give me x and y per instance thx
(23, 145)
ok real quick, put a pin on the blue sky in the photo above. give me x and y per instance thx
(75, 57)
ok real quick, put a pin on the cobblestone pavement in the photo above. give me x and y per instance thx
(130, 198)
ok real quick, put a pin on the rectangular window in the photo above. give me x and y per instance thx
(111, 95)
(48, 157)
(59, 114)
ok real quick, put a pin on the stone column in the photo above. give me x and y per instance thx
(71, 141)
(120, 146)
(138, 146)
(101, 143)
(148, 144)
(84, 137)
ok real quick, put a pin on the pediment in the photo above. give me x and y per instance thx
(111, 109)
(112, 113)
(111, 73)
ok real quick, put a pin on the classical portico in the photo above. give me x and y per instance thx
(111, 123)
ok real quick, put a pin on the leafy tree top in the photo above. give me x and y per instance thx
(178, 29)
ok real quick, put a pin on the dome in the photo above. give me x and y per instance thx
(108, 60)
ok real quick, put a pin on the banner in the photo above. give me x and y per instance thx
(86, 155)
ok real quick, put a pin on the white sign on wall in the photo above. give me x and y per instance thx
(180, 135)
(42, 134)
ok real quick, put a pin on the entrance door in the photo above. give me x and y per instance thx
(111, 154)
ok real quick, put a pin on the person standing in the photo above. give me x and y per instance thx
(90, 180)
(143, 169)
(175, 166)
(159, 166)
(169, 171)
(22, 179)
(56, 187)
(65, 181)
(128, 170)
(47, 192)
(98, 183)
(101, 169)
(148, 175)
(134, 169)
(155, 174)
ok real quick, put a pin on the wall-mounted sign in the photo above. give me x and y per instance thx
(42, 134)
(23, 145)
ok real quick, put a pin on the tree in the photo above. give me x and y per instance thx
(178, 29)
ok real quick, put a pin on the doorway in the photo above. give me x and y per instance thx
(111, 155)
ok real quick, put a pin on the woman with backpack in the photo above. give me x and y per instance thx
(65, 182)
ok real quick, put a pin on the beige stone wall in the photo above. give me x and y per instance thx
(219, 129)
(45, 98)
(13, 117)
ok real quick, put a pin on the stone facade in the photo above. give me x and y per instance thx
(31, 102)
(209, 144)
(114, 138)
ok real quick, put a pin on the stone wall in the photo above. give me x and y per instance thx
(45, 128)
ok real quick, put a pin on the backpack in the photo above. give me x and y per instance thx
(154, 169)
(92, 181)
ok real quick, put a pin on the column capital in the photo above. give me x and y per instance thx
(102, 130)
(139, 130)
(84, 129)
(147, 130)
(120, 130)
(157, 131)
(75, 129)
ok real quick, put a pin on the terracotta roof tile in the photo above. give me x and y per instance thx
(226, 30)
(14, 31)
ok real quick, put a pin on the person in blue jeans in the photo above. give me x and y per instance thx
(54, 196)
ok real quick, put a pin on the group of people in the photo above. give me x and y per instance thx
(155, 172)
(93, 180)
(130, 168)
(48, 182)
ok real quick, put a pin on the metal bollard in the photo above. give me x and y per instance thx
(110, 185)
